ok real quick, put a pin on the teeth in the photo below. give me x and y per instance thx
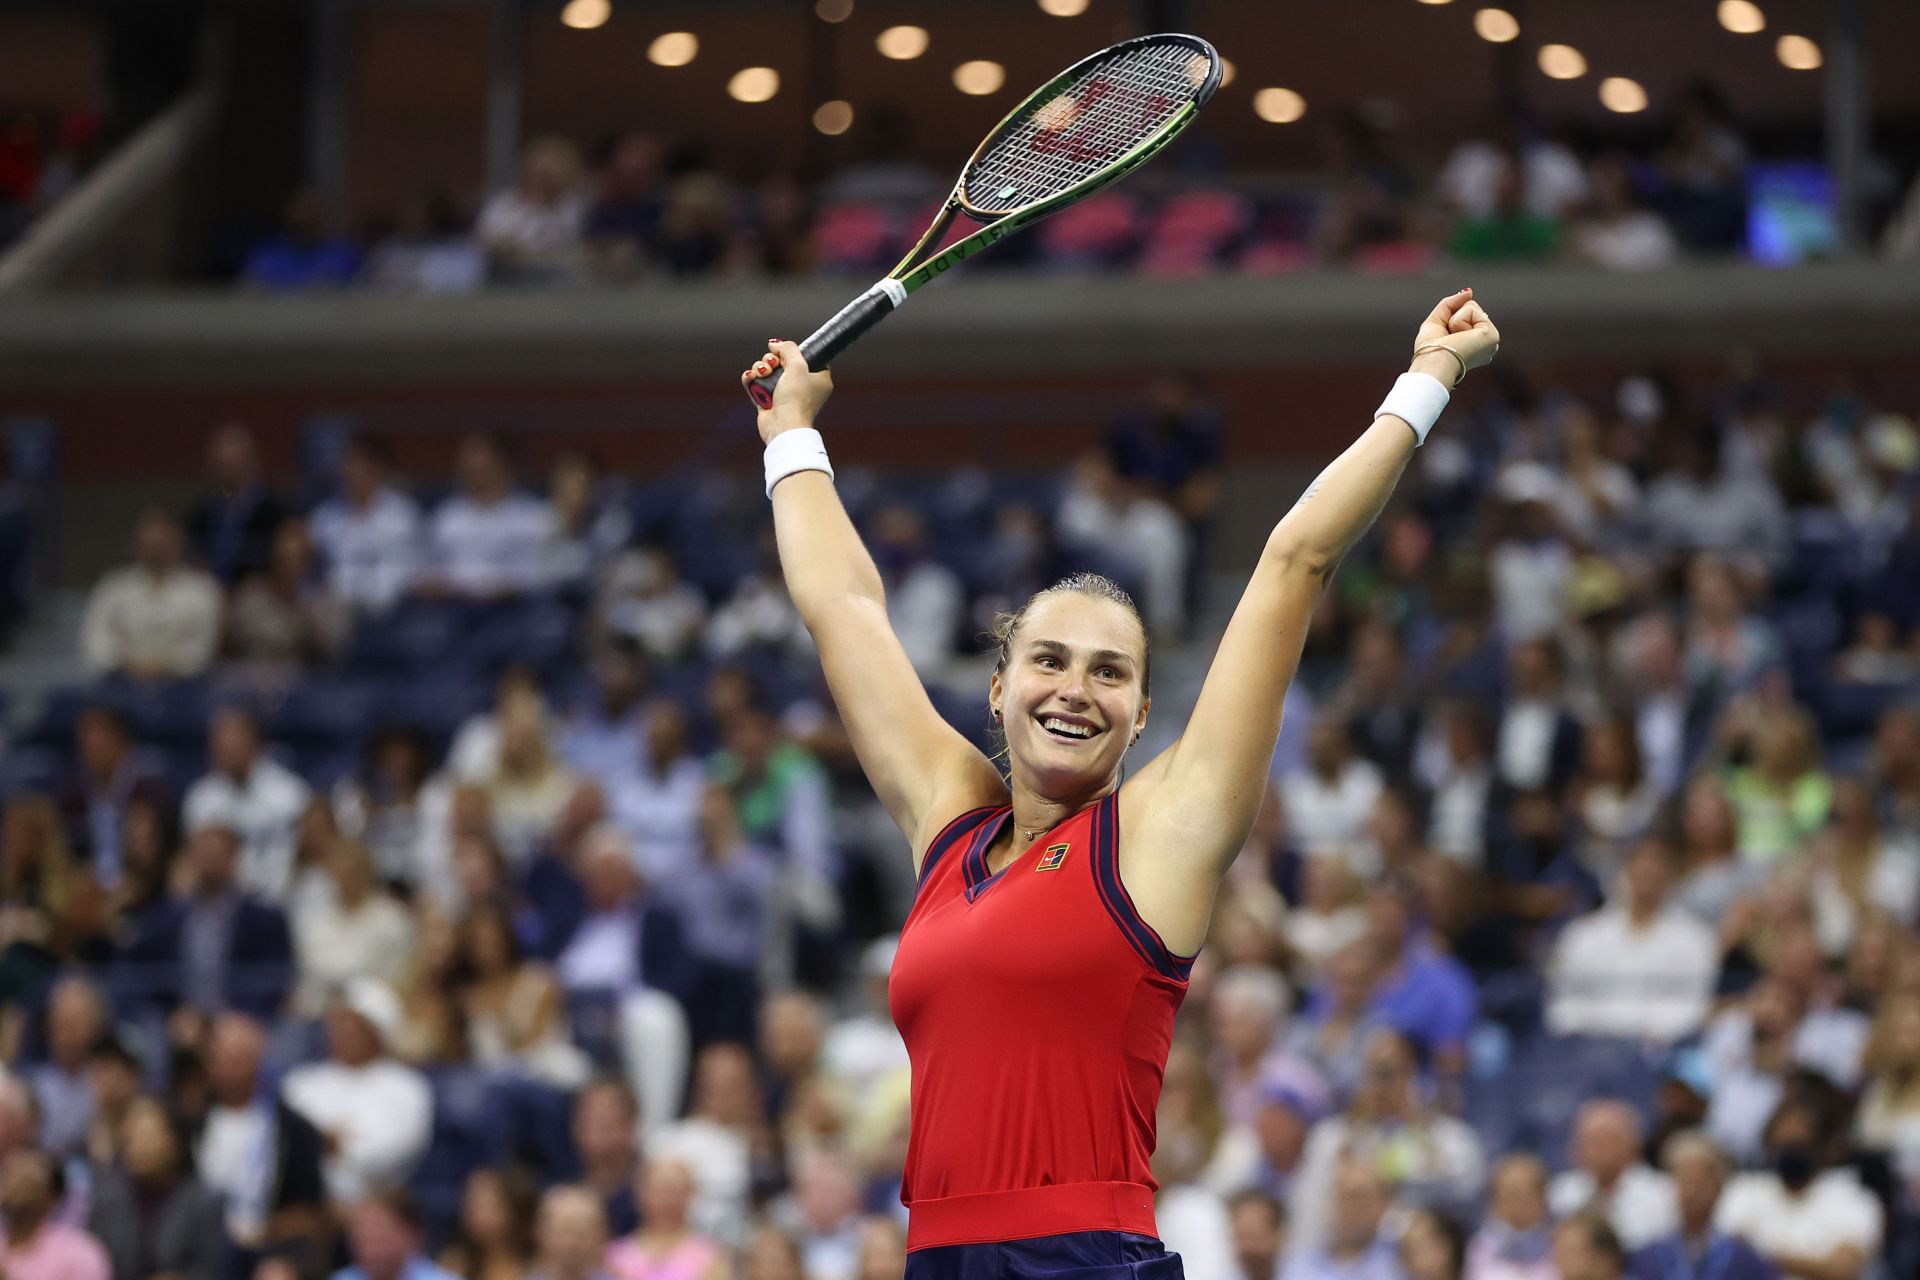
(1067, 726)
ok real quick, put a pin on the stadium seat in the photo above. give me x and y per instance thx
(1192, 233)
(1100, 231)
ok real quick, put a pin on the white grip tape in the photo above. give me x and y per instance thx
(800, 449)
(1416, 399)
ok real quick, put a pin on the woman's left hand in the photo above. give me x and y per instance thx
(1463, 327)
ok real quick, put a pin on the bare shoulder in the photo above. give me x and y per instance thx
(974, 784)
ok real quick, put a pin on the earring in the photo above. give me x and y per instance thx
(995, 712)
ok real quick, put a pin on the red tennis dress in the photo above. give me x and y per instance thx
(1037, 1007)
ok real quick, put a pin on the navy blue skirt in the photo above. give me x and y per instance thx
(1083, 1255)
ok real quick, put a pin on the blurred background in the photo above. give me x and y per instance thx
(427, 841)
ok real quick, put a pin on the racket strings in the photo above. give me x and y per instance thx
(1094, 120)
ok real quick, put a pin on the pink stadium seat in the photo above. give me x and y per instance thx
(1192, 231)
(1274, 258)
(855, 236)
(1100, 229)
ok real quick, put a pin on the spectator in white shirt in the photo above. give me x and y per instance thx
(158, 618)
(1806, 1217)
(1538, 743)
(644, 602)
(370, 534)
(1615, 230)
(533, 232)
(1328, 803)
(489, 540)
(1609, 1178)
(359, 930)
(1532, 563)
(658, 803)
(375, 1114)
(1638, 968)
(1755, 1046)
(716, 1138)
(255, 796)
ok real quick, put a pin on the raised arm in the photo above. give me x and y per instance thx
(1204, 791)
(922, 768)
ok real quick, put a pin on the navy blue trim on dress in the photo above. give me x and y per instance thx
(1142, 936)
(948, 837)
(974, 870)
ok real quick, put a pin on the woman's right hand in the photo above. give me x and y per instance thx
(799, 394)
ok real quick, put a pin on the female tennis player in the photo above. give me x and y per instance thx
(1058, 911)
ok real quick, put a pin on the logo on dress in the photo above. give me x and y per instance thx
(1053, 857)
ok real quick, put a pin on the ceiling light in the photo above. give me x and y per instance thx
(1436, 1)
(674, 49)
(1617, 93)
(754, 84)
(1797, 53)
(1742, 17)
(833, 118)
(585, 15)
(1227, 72)
(1279, 106)
(1496, 25)
(902, 43)
(1064, 8)
(833, 10)
(1562, 61)
(979, 77)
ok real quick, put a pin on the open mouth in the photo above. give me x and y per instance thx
(1068, 728)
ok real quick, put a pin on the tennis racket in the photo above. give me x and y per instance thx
(1089, 126)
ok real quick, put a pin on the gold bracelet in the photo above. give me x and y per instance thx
(1441, 346)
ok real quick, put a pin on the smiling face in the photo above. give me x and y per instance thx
(1071, 692)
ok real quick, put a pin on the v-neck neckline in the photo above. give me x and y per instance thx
(978, 878)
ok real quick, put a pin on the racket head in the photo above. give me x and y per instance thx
(1078, 131)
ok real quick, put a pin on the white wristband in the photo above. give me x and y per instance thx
(1416, 399)
(800, 449)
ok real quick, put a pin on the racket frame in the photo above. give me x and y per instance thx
(909, 274)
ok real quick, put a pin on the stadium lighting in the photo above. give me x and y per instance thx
(1797, 53)
(1436, 1)
(1279, 106)
(833, 118)
(1618, 93)
(673, 49)
(902, 43)
(833, 10)
(585, 15)
(1496, 26)
(754, 84)
(1562, 61)
(980, 77)
(1742, 17)
(1227, 72)
(1064, 8)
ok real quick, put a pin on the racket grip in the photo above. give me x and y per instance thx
(836, 335)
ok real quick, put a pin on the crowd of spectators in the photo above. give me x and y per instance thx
(1378, 203)
(1576, 939)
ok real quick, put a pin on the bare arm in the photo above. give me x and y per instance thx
(1203, 793)
(921, 767)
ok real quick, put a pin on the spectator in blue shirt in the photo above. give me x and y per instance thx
(1421, 992)
(385, 1234)
(302, 256)
(1697, 1251)
(1355, 1248)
